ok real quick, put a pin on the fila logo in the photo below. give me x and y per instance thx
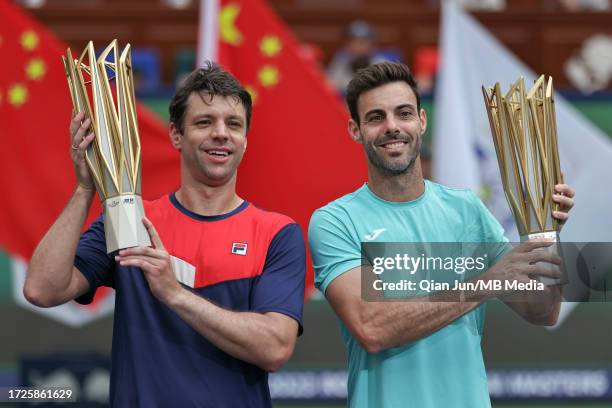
(239, 248)
(374, 234)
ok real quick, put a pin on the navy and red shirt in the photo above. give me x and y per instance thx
(245, 260)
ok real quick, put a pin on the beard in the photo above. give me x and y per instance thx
(395, 167)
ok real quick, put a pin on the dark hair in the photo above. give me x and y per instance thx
(374, 76)
(210, 80)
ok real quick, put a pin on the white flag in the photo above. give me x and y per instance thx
(463, 151)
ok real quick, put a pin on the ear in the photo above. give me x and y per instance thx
(423, 120)
(353, 130)
(176, 137)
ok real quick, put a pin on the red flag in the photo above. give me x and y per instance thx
(36, 173)
(299, 155)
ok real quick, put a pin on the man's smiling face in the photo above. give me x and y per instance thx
(214, 137)
(390, 127)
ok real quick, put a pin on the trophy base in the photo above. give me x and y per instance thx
(555, 248)
(123, 225)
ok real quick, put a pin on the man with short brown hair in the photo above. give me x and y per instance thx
(413, 353)
(210, 340)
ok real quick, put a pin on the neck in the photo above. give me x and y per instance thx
(209, 200)
(403, 187)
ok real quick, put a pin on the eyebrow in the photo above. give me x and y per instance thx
(405, 105)
(382, 111)
(208, 115)
(373, 111)
(236, 117)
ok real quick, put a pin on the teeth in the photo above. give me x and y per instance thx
(396, 144)
(218, 153)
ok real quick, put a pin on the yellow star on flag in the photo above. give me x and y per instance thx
(29, 40)
(36, 69)
(227, 24)
(253, 92)
(270, 45)
(17, 95)
(268, 76)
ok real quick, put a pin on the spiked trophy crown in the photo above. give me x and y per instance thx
(524, 130)
(525, 136)
(114, 157)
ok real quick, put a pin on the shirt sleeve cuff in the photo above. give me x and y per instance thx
(88, 296)
(338, 270)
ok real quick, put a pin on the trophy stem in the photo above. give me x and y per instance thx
(555, 248)
(123, 222)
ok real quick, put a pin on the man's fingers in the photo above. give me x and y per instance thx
(149, 259)
(80, 133)
(534, 244)
(565, 189)
(86, 141)
(126, 257)
(566, 202)
(155, 239)
(75, 123)
(544, 256)
(140, 251)
(138, 263)
(543, 269)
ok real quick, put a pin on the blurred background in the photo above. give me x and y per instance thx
(325, 43)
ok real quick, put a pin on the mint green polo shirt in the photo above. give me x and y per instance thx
(444, 369)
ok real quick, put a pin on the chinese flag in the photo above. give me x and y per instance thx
(36, 173)
(299, 155)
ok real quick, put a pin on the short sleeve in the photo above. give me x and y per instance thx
(333, 250)
(490, 231)
(92, 260)
(280, 288)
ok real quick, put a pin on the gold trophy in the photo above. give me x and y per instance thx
(113, 157)
(524, 132)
